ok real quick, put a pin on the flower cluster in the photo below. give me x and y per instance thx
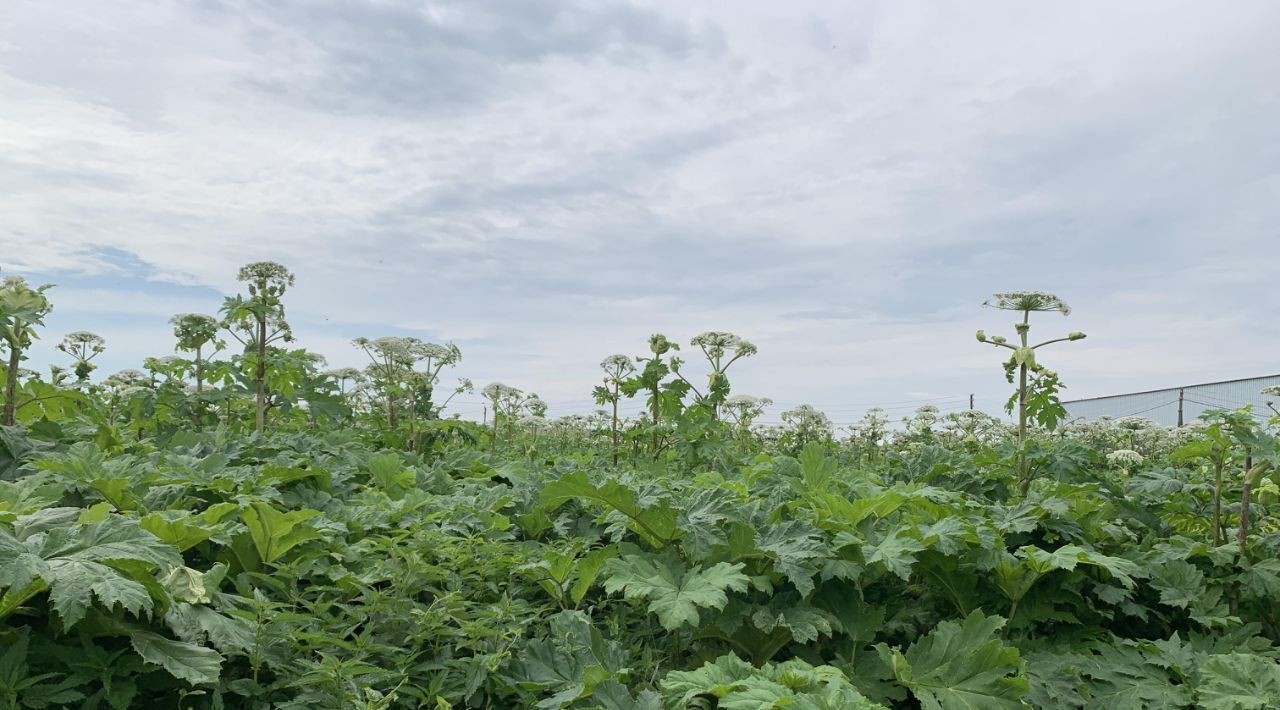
(127, 378)
(1028, 301)
(716, 342)
(1125, 458)
(616, 367)
(81, 341)
(266, 277)
(342, 373)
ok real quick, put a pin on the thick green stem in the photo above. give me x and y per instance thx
(260, 377)
(11, 381)
(1217, 504)
(1024, 479)
(1252, 476)
(1242, 535)
(615, 425)
(199, 371)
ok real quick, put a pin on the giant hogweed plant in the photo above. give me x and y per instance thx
(22, 310)
(664, 395)
(311, 566)
(505, 402)
(1036, 396)
(616, 368)
(257, 321)
(193, 333)
(83, 347)
(393, 368)
(721, 350)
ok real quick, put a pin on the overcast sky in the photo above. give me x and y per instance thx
(545, 183)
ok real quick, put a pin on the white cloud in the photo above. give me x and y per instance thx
(841, 182)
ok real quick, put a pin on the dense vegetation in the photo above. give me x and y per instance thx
(239, 528)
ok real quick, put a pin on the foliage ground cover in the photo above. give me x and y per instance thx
(248, 530)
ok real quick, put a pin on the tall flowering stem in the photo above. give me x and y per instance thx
(616, 367)
(506, 401)
(721, 350)
(22, 308)
(194, 331)
(663, 396)
(83, 347)
(1023, 359)
(258, 321)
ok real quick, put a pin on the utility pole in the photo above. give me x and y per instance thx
(1180, 393)
(971, 402)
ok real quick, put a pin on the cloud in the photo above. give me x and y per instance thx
(545, 183)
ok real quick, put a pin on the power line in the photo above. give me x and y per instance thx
(1148, 409)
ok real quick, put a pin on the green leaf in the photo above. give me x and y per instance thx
(571, 662)
(674, 593)
(75, 562)
(797, 550)
(275, 533)
(1179, 582)
(737, 685)
(95, 513)
(1055, 680)
(815, 468)
(612, 695)
(896, 552)
(389, 472)
(1122, 676)
(73, 583)
(185, 661)
(806, 624)
(1262, 579)
(198, 624)
(656, 524)
(183, 533)
(26, 495)
(961, 666)
(185, 584)
(588, 569)
(1238, 681)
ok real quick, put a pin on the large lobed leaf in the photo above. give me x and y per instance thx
(76, 564)
(656, 524)
(961, 666)
(674, 593)
(194, 664)
(737, 685)
(1239, 681)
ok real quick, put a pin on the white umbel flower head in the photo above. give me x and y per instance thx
(1135, 423)
(745, 408)
(127, 378)
(82, 342)
(436, 354)
(716, 342)
(534, 405)
(744, 400)
(267, 278)
(806, 416)
(193, 329)
(160, 363)
(616, 367)
(1027, 301)
(504, 397)
(1125, 458)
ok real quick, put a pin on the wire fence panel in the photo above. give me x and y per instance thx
(1163, 405)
